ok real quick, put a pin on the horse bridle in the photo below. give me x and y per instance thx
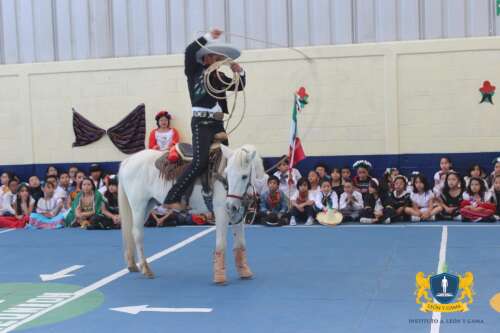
(245, 198)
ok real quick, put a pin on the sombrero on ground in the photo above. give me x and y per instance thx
(330, 218)
(227, 50)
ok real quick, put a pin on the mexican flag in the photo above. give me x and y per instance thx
(296, 152)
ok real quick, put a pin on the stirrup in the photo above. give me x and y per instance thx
(208, 199)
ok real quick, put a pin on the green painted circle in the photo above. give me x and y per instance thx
(18, 293)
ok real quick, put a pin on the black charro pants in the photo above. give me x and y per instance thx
(203, 130)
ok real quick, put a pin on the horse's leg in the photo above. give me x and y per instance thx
(127, 225)
(138, 232)
(221, 222)
(240, 256)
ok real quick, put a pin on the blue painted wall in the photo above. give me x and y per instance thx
(406, 163)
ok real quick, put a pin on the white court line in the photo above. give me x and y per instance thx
(108, 279)
(386, 226)
(436, 316)
(7, 230)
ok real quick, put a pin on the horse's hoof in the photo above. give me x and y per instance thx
(133, 269)
(149, 275)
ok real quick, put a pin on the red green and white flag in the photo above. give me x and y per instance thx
(296, 152)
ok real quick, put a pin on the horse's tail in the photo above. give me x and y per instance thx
(126, 223)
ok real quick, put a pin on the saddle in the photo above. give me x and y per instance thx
(171, 169)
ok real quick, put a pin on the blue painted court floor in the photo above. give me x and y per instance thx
(350, 278)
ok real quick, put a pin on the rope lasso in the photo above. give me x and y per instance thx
(234, 82)
(236, 79)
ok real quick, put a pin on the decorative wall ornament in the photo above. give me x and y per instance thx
(128, 135)
(487, 91)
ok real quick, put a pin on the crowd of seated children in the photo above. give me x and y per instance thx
(73, 199)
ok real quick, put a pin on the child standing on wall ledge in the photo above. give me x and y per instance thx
(163, 137)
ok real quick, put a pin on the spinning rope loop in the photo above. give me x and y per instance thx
(234, 82)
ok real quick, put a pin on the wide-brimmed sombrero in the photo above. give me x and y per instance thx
(330, 218)
(227, 50)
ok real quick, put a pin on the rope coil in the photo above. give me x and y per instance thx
(234, 82)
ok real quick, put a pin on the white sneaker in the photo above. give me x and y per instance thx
(457, 218)
(292, 221)
(387, 220)
(365, 220)
(415, 219)
(432, 218)
(309, 221)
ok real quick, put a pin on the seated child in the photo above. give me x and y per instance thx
(350, 203)
(451, 196)
(326, 198)
(396, 201)
(373, 209)
(336, 180)
(8, 197)
(110, 215)
(362, 178)
(322, 171)
(495, 172)
(161, 217)
(444, 166)
(346, 173)
(287, 183)
(302, 204)
(424, 205)
(23, 207)
(313, 179)
(273, 204)
(475, 171)
(495, 197)
(86, 206)
(48, 210)
(476, 205)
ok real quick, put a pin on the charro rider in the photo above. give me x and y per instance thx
(208, 112)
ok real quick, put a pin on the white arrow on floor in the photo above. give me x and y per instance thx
(61, 274)
(144, 308)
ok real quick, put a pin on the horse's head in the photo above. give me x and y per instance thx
(244, 167)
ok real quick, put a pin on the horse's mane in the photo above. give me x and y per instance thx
(240, 160)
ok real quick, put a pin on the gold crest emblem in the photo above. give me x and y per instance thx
(424, 285)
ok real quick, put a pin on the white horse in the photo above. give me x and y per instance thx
(141, 188)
